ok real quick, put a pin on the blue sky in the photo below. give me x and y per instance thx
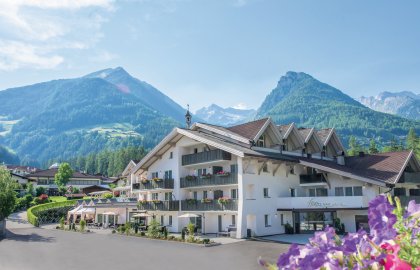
(227, 52)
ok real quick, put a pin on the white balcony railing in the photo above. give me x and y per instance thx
(322, 202)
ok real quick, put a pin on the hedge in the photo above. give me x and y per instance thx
(35, 211)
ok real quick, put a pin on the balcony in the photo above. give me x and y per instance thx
(213, 205)
(335, 202)
(312, 179)
(207, 156)
(406, 199)
(151, 184)
(159, 206)
(412, 177)
(213, 180)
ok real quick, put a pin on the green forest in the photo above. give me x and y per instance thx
(107, 163)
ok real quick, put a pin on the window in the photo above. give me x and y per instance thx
(201, 172)
(195, 150)
(357, 191)
(339, 191)
(265, 193)
(168, 175)
(233, 220)
(162, 220)
(168, 196)
(292, 192)
(155, 196)
(349, 191)
(234, 193)
(281, 219)
(195, 195)
(311, 192)
(171, 155)
(318, 192)
(217, 169)
(170, 221)
(261, 141)
(204, 194)
(155, 175)
(265, 167)
(233, 168)
(321, 192)
(399, 192)
(267, 220)
(414, 192)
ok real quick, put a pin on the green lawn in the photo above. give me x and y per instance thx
(58, 198)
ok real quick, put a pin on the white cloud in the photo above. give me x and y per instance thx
(35, 33)
(240, 106)
(14, 55)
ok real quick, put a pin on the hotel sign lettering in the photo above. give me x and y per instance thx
(313, 203)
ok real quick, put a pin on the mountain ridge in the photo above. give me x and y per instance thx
(216, 115)
(404, 103)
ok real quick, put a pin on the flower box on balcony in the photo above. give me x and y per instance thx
(206, 176)
(157, 179)
(223, 200)
(142, 202)
(222, 173)
(144, 181)
(156, 201)
(190, 177)
(191, 201)
(206, 200)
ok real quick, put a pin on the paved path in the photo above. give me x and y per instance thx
(26, 247)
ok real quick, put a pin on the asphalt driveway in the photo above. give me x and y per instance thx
(34, 248)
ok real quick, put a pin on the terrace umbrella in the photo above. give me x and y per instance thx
(73, 211)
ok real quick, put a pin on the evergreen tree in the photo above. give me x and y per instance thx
(354, 147)
(372, 147)
(413, 142)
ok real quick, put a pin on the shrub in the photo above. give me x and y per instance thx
(82, 225)
(183, 235)
(121, 229)
(153, 231)
(165, 233)
(142, 234)
(30, 189)
(37, 210)
(62, 223)
(128, 228)
(107, 196)
(114, 231)
(39, 191)
(206, 241)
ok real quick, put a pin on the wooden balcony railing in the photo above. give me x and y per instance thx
(212, 180)
(152, 184)
(207, 156)
(213, 205)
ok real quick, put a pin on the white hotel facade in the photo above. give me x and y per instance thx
(253, 179)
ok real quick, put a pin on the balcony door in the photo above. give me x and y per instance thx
(217, 169)
(218, 194)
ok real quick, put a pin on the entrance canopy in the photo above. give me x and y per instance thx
(188, 215)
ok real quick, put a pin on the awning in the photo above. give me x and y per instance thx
(142, 215)
(188, 215)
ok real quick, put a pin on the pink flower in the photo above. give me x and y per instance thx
(392, 262)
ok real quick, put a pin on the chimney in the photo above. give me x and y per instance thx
(361, 154)
(341, 160)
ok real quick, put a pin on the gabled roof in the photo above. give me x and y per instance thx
(305, 133)
(249, 130)
(52, 172)
(323, 134)
(384, 167)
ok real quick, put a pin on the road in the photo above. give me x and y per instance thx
(26, 248)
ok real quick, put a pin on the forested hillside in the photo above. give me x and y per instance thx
(301, 99)
(66, 118)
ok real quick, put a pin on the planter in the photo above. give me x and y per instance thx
(2, 228)
(208, 176)
(223, 174)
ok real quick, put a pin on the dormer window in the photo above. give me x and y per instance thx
(261, 141)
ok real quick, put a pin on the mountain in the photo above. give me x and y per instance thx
(405, 104)
(8, 157)
(107, 109)
(302, 99)
(217, 115)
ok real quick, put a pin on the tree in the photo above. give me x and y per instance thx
(413, 142)
(355, 147)
(30, 189)
(64, 173)
(394, 146)
(372, 147)
(7, 194)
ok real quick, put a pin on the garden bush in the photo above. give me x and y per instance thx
(82, 225)
(49, 212)
(153, 231)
